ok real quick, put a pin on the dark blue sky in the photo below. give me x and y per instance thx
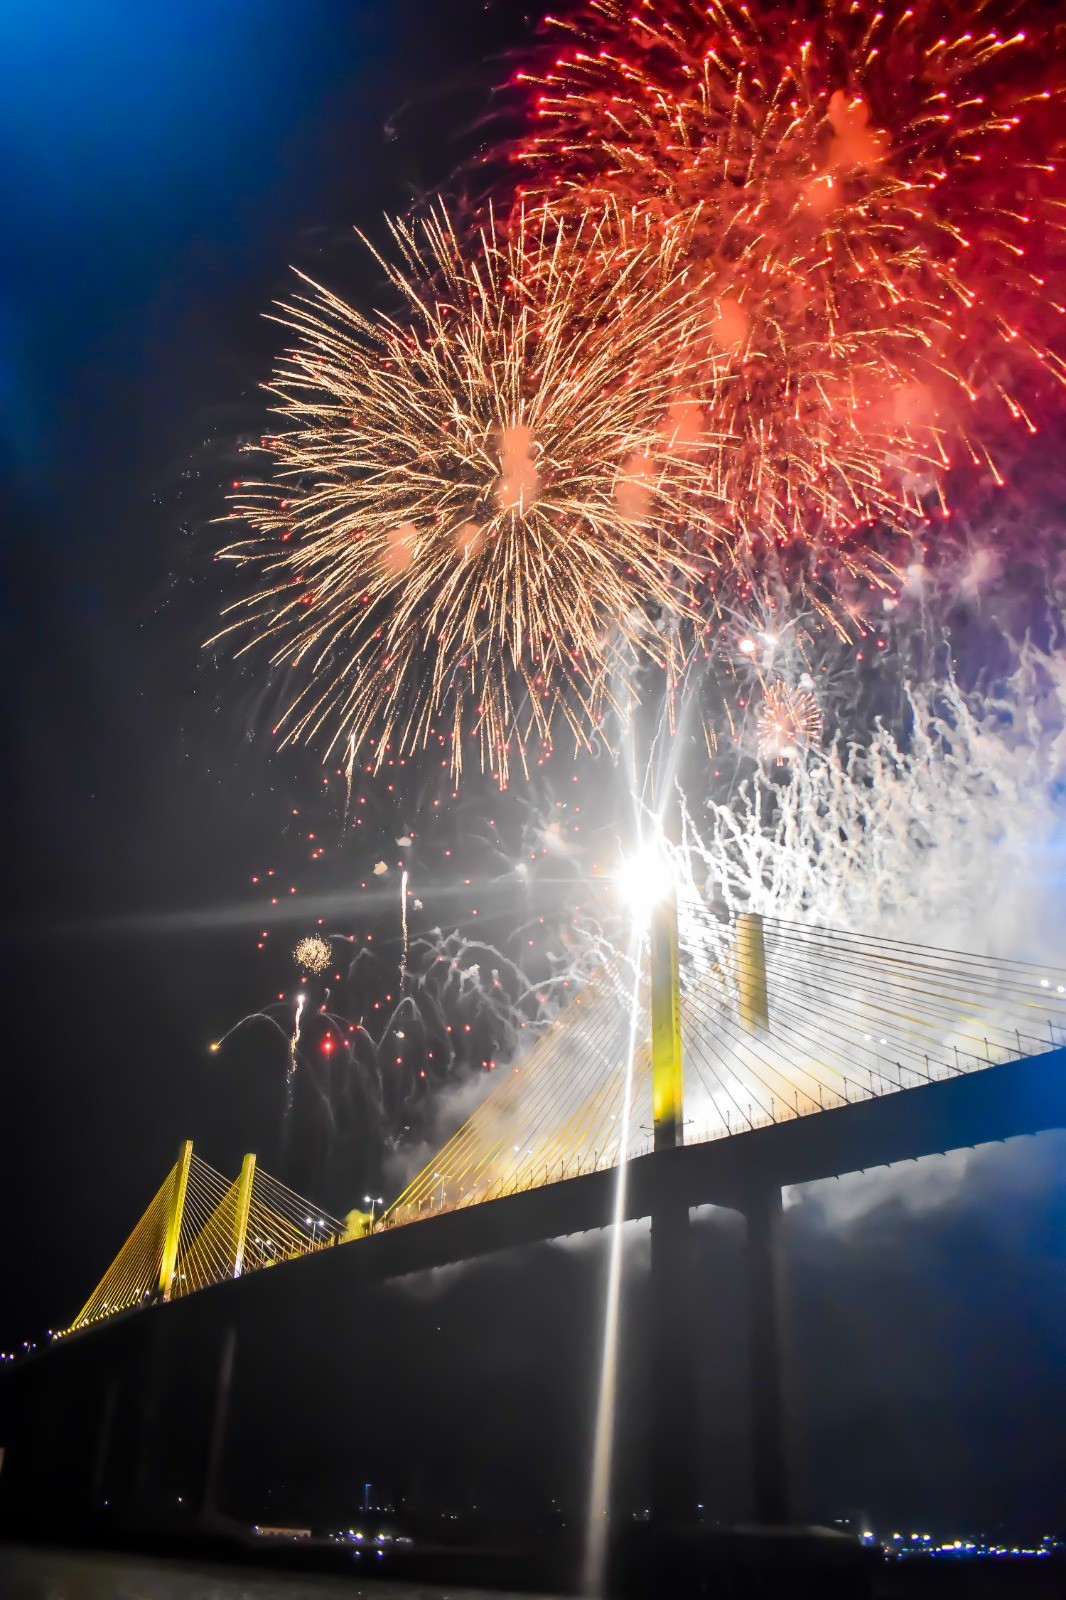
(154, 158)
(162, 167)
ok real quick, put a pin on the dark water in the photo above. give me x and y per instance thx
(63, 1575)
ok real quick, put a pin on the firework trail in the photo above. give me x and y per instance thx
(962, 796)
(875, 202)
(478, 511)
(294, 1042)
(403, 926)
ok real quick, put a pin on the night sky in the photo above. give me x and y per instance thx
(164, 172)
(162, 168)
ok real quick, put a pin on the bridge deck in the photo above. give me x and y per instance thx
(1001, 1102)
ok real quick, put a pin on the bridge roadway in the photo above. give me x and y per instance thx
(979, 1107)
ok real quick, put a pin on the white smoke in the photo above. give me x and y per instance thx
(950, 830)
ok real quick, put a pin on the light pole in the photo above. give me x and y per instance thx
(372, 1201)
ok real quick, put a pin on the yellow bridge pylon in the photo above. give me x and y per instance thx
(201, 1229)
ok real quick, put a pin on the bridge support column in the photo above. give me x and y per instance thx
(673, 1446)
(103, 1442)
(152, 1363)
(766, 1377)
(216, 1443)
(674, 1435)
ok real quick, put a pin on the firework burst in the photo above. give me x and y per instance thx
(790, 722)
(312, 954)
(476, 514)
(875, 201)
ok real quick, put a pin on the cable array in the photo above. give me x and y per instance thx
(846, 1017)
(223, 1229)
(555, 1114)
(133, 1277)
(282, 1225)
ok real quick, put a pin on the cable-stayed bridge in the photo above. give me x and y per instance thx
(763, 1022)
(717, 1063)
(200, 1229)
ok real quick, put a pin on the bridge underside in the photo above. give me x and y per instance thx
(746, 1173)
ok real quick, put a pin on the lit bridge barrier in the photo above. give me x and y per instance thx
(717, 1028)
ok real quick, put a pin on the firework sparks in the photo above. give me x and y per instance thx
(478, 512)
(312, 954)
(957, 801)
(790, 722)
(875, 201)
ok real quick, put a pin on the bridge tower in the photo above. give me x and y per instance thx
(674, 1443)
(666, 1066)
(175, 1212)
(216, 1443)
(767, 1409)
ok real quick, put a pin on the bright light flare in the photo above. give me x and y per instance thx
(644, 880)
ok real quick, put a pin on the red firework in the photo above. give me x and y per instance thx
(875, 203)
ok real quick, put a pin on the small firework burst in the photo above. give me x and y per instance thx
(790, 721)
(312, 953)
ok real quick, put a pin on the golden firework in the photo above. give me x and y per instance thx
(790, 721)
(476, 516)
(312, 954)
